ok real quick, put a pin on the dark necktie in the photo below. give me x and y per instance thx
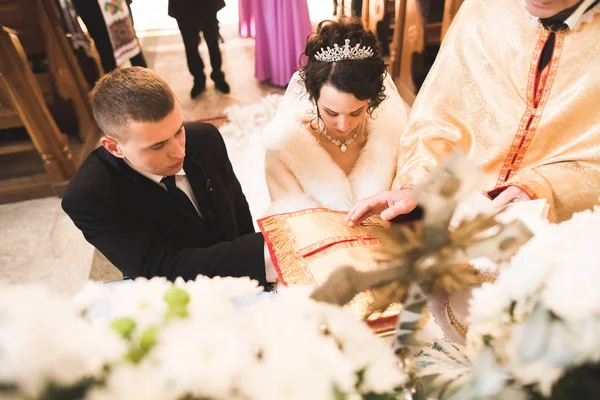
(177, 195)
(206, 214)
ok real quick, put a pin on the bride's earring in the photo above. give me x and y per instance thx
(362, 128)
(320, 125)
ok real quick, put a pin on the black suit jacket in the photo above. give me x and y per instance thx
(130, 219)
(194, 9)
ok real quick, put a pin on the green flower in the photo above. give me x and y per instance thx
(123, 326)
(177, 301)
(147, 340)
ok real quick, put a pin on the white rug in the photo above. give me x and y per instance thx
(242, 135)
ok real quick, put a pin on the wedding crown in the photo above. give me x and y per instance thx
(344, 53)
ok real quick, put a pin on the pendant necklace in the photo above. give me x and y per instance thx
(343, 145)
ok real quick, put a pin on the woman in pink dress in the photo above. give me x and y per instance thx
(281, 29)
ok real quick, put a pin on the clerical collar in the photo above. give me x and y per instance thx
(152, 177)
(570, 17)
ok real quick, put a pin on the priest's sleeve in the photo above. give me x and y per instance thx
(569, 186)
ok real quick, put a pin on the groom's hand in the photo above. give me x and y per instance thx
(388, 204)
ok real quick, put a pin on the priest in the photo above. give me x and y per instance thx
(515, 86)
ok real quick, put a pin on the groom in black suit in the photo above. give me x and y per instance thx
(159, 197)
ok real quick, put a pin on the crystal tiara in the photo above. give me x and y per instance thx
(344, 53)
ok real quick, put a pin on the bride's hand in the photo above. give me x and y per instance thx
(388, 204)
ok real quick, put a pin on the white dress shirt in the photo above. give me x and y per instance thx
(573, 21)
(182, 183)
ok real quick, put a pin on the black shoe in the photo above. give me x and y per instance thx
(222, 86)
(199, 87)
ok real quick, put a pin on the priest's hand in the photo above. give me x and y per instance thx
(388, 204)
(511, 194)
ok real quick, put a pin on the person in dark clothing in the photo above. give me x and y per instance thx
(159, 197)
(193, 17)
(91, 15)
(356, 6)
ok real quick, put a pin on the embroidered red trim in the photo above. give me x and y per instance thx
(539, 87)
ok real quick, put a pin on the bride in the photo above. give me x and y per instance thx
(335, 137)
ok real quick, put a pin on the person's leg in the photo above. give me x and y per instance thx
(190, 33)
(138, 60)
(210, 31)
(91, 15)
(356, 6)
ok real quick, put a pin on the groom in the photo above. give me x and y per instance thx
(159, 197)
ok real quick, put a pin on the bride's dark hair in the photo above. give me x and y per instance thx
(362, 78)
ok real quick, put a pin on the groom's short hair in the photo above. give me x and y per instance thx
(128, 95)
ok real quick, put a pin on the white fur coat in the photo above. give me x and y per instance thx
(301, 174)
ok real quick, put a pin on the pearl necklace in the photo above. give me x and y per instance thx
(343, 145)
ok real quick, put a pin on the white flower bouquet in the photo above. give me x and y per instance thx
(206, 339)
(537, 328)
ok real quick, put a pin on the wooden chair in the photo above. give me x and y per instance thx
(42, 88)
(22, 90)
(415, 36)
(345, 8)
(40, 28)
(379, 16)
(450, 9)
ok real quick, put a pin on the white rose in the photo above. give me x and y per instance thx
(134, 382)
(203, 358)
(488, 310)
(45, 340)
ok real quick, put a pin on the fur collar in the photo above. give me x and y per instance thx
(288, 137)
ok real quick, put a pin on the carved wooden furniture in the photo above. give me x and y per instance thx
(26, 98)
(419, 28)
(43, 89)
(345, 8)
(450, 9)
(40, 28)
(379, 16)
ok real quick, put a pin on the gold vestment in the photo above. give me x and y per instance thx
(484, 96)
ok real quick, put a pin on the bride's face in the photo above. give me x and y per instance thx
(342, 112)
